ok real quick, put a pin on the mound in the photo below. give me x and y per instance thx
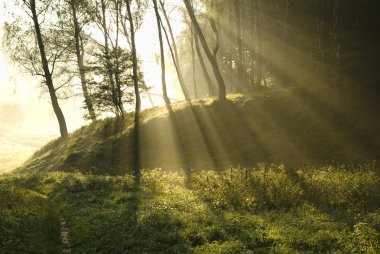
(280, 126)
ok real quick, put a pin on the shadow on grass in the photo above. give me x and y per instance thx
(284, 128)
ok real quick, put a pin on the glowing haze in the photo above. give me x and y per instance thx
(21, 91)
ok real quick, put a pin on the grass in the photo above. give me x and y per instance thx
(268, 209)
(28, 223)
(276, 126)
(294, 205)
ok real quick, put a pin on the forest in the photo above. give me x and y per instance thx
(255, 131)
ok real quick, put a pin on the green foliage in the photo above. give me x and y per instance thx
(267, 209)
(28, 223)
(272, 186)
(338, 186)
(113, 86)
(267, 186)
(365, 239)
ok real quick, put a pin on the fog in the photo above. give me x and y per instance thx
(27, 120)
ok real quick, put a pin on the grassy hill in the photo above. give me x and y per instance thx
(282, 126)
(212, 195)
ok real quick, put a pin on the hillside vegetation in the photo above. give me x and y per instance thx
(281, 126)
(213, 194)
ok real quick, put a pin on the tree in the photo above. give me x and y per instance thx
(192, 32)
(174, 51)
(210, 87)
(78, 7)
(259, 54)
(240, 64)
(163, 79)
(103, 97)
(33, 57)
(132, 31)
(285, 79)
(213, 62)
(114, 84)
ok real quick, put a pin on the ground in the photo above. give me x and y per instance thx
(267, 209)
(258, 174)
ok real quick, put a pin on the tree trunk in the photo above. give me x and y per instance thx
(260, 65)
(47, 73)
(193, 60)
(136, 135)
(215, 49)
(174, 61)
(252, 44)
(285, 75)
(214, 64)
(108, 61)
(163, 79)
(175, 52)
(81, 68)
(211, 91)
(117, 74)
(323, 26)
(340, 89)
(240, 67)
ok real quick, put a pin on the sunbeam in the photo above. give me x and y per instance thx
(191, 126)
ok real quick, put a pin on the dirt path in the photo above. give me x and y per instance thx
(65, 236)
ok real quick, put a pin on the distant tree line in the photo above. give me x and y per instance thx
(330, 47)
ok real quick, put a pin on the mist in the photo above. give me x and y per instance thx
(27, 120)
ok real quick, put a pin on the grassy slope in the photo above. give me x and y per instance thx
(268, 209)
(278, 126)
(265, 210)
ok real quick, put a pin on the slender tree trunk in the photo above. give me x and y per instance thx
(175, 52)
(47, 73)
(260, 65)
(231, 72)
(216, 47)
(240, 68)
(163, 78)
(174, 61)
(340, 88)
(251, 45)
(211, 91)
(323, 26)
(108, 60)
(285, 75)
(214, 63)
(117, 74)
(136, 142)
(80, 56)
(193, 60)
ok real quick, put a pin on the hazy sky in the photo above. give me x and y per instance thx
(22, 90)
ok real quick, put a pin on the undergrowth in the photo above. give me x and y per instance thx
(269, 209)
